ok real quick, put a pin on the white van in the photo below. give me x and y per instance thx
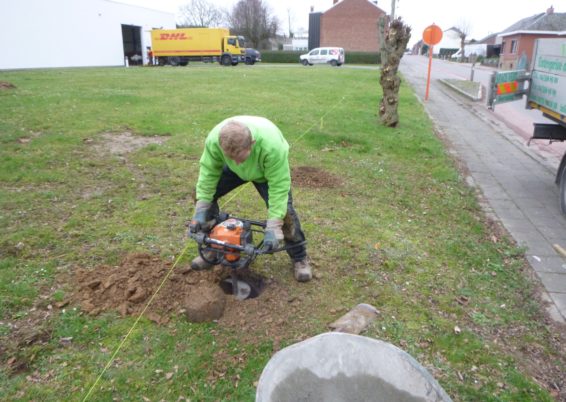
(328, 55)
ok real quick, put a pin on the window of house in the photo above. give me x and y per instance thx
(513, 46)
(502, 48)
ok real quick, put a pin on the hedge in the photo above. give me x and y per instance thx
(285, 56)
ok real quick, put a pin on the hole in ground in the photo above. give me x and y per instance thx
(250, 285)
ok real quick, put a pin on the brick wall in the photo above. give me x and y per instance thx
(351, 24)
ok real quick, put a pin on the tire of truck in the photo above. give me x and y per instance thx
(226, 60)
(305, 62)
(562, 186)
(174, 61)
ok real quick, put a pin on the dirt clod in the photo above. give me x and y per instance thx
(206, 303)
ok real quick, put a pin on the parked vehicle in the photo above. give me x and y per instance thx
(546, 92)
(179, 46)
(324, 55)
(252, 56)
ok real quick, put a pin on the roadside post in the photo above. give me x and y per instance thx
(432, 35)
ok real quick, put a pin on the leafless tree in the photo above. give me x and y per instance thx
(254, 20)
(464, 29)
(395, 42)
(201, 13)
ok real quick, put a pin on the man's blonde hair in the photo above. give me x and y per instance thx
(235, 137)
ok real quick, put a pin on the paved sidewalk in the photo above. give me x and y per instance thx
(517, 183)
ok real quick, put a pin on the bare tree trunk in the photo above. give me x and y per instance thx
(462, 48)
(396, 40)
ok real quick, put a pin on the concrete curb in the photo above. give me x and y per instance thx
(474, 98)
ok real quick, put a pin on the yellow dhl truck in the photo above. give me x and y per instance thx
(179, 46)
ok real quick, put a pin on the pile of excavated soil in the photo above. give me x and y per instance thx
(308, 176)
(197, 295)
(127, 288)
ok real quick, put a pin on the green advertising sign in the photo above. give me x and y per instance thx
(548, 83)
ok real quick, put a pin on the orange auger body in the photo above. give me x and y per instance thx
(230, 231)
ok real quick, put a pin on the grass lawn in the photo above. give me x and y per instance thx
(399, 230)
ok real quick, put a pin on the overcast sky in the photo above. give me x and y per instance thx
(482, 16)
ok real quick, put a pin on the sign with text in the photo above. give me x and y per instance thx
(548, 83)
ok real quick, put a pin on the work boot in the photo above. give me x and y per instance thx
(303, 271)
(199, 264)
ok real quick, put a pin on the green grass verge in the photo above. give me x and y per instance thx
(403, 233)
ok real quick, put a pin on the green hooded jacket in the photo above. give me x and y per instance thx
(268, 162)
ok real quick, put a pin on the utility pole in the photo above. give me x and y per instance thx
(392, 10)
(289, 17)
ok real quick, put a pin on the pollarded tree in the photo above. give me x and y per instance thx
(464, 29)
(254, 20)
(396, 38)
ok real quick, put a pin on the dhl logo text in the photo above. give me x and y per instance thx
(174, 36)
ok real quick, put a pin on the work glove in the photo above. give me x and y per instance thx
(198, 222)
(273, 234)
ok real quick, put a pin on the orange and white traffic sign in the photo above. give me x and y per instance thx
(432, 35)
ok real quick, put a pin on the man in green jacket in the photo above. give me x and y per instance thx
(250, 148)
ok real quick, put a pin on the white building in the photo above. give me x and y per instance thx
(450, 40)
(75, 33)
(297, 44)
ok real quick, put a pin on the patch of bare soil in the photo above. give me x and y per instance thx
(18, 349)
(127, 288)
(123, 143)
(308, 176)
(195, 295)
(6, 85)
